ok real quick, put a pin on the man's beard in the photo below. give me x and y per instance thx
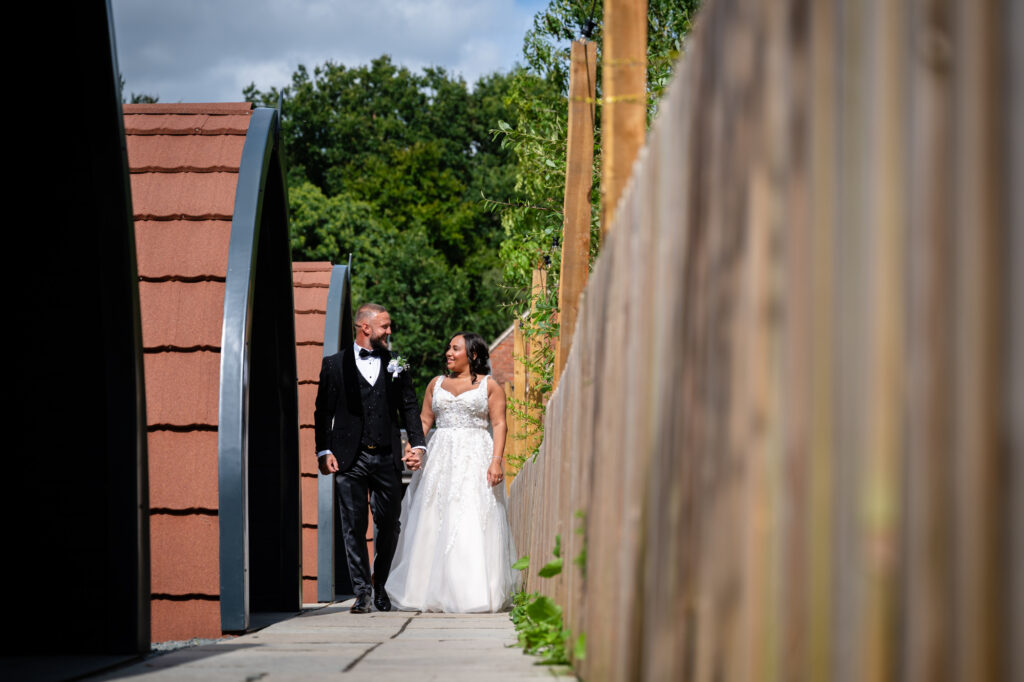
(379, 342)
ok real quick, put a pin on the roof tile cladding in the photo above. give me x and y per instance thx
(311, 283)
(185, 315)
(160, 245)
(196, 153)
(185, 195)
(184, 161)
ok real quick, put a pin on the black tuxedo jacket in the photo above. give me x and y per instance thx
(338, 416)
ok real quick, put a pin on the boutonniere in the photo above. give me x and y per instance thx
(397, 365)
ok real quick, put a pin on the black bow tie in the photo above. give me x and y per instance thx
(363, 353)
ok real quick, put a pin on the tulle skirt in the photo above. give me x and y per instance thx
(455, 551)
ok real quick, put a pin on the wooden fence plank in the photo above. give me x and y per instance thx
(980, 225)
(823, 111)
(791, 411)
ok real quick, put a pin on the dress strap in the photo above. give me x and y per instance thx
(437, 385)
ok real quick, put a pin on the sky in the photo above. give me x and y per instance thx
(209, 50)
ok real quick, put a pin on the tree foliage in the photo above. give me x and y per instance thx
(390, 165)
(532, 216)
(135, 97)
(538, 99)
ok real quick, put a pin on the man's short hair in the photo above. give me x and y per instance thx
(368, 310)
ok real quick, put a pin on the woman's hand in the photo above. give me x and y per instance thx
(494, 473)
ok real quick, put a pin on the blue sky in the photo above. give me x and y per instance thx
(208, 50)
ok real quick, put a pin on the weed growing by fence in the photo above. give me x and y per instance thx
(539, 620)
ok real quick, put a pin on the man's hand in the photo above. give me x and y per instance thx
(328, 464)
(412, 458)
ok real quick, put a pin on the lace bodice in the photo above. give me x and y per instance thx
(468, 410)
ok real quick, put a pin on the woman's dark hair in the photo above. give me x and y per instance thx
(476, 351)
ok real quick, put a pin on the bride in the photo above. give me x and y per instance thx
(455, 551)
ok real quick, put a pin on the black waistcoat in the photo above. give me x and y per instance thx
(375, 411)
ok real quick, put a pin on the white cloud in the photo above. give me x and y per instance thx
(198, 50)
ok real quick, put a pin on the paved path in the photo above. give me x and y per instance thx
(330, 643)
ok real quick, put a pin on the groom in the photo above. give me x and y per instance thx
(361, 400)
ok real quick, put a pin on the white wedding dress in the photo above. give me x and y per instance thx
(455, 551)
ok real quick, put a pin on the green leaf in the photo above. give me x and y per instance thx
(581, 558)
(551, 569)
(544, 610)
(579, 652)
(557, 551)
(524, 562)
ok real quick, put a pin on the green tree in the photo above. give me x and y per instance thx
(136, 97)
(390, 165)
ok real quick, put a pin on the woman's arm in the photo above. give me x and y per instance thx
(496, 409)
(414, 458)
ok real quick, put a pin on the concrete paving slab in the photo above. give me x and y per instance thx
(437, 634)
(54, 668)
(253, 664)
(459, 616)
(430, 645)
(332, 634)
(424, 623)
(327, 642)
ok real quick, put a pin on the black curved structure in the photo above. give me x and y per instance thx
(258, 432)
(75, 499)
(331, 575)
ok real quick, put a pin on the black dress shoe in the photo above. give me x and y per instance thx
(381, 600)
(362, 604)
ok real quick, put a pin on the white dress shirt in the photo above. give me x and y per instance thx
(369, 366)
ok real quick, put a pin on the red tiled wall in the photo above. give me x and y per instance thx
(311, 282)
(184, 162)
(501, 360)
(181, 620)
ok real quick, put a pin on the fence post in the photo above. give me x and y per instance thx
(535, 349)
(624, 117)
(518, 434)
(579, 175)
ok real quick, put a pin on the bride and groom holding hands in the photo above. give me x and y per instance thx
(446, 546)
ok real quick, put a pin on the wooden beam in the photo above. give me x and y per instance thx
(579, 175)
(624, 80)
(535, 349)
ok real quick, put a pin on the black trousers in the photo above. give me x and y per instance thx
(374, 474)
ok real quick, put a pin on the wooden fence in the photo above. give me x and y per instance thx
(792, 418)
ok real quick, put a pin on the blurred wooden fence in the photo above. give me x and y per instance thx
(793, 413)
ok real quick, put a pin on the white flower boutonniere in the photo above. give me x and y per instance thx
(397, 365)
